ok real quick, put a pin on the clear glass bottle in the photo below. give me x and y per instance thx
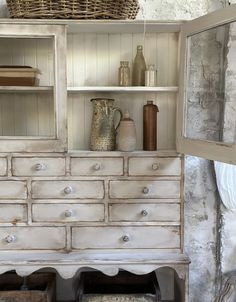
(139, 67)
(150, 76)
(124, 74)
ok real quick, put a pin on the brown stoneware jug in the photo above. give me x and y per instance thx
(103, 132)
(150, 126)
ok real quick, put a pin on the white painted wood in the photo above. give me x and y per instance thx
(68, 189)
(28, 238)
(67, 212)
(13, 213)
(202, 148)
(3, 166)
(97, 166)
(144, 212)
(13, 189)
(38, 166)
(121, 89)
(151, 166)
(144, 189)
(113, 237)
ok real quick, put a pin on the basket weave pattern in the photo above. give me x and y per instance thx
(73, 9)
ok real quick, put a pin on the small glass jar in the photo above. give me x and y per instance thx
(150, 76)
(124, 74)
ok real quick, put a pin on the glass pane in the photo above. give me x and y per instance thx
(211, 85)
(26, 87)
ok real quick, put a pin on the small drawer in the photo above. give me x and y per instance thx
(144, 212)
(97, 166)
(144, 189)
(28, 238)
(67, 212)
(13, 213)
(126, 237)
(3, 166)
(38, 166)
(152, 166)
(68, 189)
(13, 190)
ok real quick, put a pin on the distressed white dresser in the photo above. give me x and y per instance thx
(64, 207)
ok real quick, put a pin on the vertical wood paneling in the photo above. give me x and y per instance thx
(114, 58)
(90, 43)
(102, 64)
(162, 58)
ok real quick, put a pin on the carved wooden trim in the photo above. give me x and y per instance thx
(227, 290)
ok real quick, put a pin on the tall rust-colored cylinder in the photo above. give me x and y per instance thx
(150, 126)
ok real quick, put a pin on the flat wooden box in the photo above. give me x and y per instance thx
(41, 288)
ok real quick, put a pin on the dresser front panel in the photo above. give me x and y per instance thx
(13, 189)
(3, 166)
(38, 166)
(13, 213)
(27, 238)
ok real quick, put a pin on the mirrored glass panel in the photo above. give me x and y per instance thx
(27, 87)
(211, 85)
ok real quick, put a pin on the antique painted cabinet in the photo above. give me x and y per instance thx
(65, 207)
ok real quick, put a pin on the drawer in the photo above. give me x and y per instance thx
(94, 166)
(3, 166)
(13, 189)
(144, 189)
(151, 166)
(25, 238)
(13, 213)
(144, 212)
(38, 166)
(68, 189)
(125, 237)
(67, 212)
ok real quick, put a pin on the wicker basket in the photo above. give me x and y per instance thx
(74, 9)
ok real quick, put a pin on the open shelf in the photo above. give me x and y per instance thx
(120, 89)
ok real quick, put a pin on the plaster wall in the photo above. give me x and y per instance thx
(201, 198)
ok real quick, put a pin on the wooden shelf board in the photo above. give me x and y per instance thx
(12, 89)
(122, 89)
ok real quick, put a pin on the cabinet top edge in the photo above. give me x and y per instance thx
(74, 26)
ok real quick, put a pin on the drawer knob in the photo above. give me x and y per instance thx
(68, 190)
(68, 213)
(126, 238)
(10, 238)
(97, 167)
(144, 213)
(145, 190)
(155, 166)
(40, 167)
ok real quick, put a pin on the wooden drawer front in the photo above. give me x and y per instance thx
(68, 189)
(3, 166)
(25, 238)
(13, 213)
(145, 189)
(13, 190)
(151, 166)
(38, 166)
(126, 237)
(68, 212)
(97, 166)
(144, 212)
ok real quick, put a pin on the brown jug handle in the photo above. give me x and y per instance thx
(121, 116)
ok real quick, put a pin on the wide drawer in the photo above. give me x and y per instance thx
(13, 189)
(13, 213)
(3, 166)
(152, 166)
(144, 212)
(144, 189)
(125, 237)
(95, 166)
(24, 238)
(68, 189)
(38, 166)
(68, 212)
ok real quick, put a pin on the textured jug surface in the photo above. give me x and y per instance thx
(103, 132)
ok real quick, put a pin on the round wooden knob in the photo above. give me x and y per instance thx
(97, 167)
(126, 238)
(68, 190)
(155, 166)
(68, 213)
(145, 190)
(144, 213)
(10, 238)
(40, 167)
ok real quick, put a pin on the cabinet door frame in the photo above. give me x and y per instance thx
(58, 142)
(202, 148)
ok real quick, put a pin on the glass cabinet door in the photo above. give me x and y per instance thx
(32, 88)
(206, 124)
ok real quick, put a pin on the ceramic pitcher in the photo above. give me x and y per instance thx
(103, 132)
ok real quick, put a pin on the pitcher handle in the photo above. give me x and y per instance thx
(121, 116)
